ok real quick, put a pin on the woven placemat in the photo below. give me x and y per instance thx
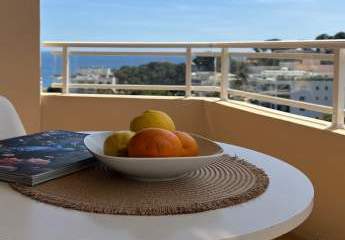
(225, 182)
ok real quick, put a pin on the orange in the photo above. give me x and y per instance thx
(189, 145)
(154, 142)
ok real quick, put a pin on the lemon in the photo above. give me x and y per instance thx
(116, 144)
(152, 119)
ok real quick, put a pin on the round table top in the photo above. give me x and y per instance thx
(286, 203)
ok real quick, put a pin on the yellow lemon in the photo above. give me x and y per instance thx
(116, 144)
(152, 119)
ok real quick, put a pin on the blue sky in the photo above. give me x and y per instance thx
(189, 20)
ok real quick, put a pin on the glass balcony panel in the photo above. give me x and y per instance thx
(307, 80)
(51, 70)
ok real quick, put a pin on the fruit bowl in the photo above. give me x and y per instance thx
(158, 168)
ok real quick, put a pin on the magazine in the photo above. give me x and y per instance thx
(36, 158)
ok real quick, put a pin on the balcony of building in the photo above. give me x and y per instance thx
(314, 146)
(228, 114)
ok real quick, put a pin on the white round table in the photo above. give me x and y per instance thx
(287, 203)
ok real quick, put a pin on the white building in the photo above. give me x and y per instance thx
(297, 85)
(207, 78)
(94, 76)
(313, 91)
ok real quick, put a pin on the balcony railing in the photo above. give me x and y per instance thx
(221, 50)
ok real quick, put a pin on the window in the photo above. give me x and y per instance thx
(284, 87)
(283, 108)
(326, 88)
(326, 98)
(301, 98)
(317, 98)
(317, 88)
(302, 109)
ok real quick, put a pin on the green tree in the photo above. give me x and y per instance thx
(265, 61)
(268, 49)
(325, 36)
(240, 69)
(204, 63)
(339, 35)
(154, 73)
(162, 73)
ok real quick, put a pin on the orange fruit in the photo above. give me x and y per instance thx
(154, 142)
(189, 145)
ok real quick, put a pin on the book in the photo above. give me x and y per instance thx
(36, 158)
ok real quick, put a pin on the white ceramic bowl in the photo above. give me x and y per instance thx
(154, 169)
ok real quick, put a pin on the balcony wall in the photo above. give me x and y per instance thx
(303, 143)
(319, 153)
(20, 59)
(112, 113)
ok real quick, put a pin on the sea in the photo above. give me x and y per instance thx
(51, 64)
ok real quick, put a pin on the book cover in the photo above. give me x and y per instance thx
(36, 158)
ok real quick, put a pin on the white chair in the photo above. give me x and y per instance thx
(10, 123)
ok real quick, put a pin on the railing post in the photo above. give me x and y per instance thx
(215, 68)
(338, 89)
(188, 72)
(224, 83)
(65, 70)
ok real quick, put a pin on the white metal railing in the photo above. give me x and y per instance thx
(287, 56)
(219, 49)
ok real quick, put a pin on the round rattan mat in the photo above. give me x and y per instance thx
(225, 182)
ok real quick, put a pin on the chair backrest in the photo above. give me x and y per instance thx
(10, 123)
